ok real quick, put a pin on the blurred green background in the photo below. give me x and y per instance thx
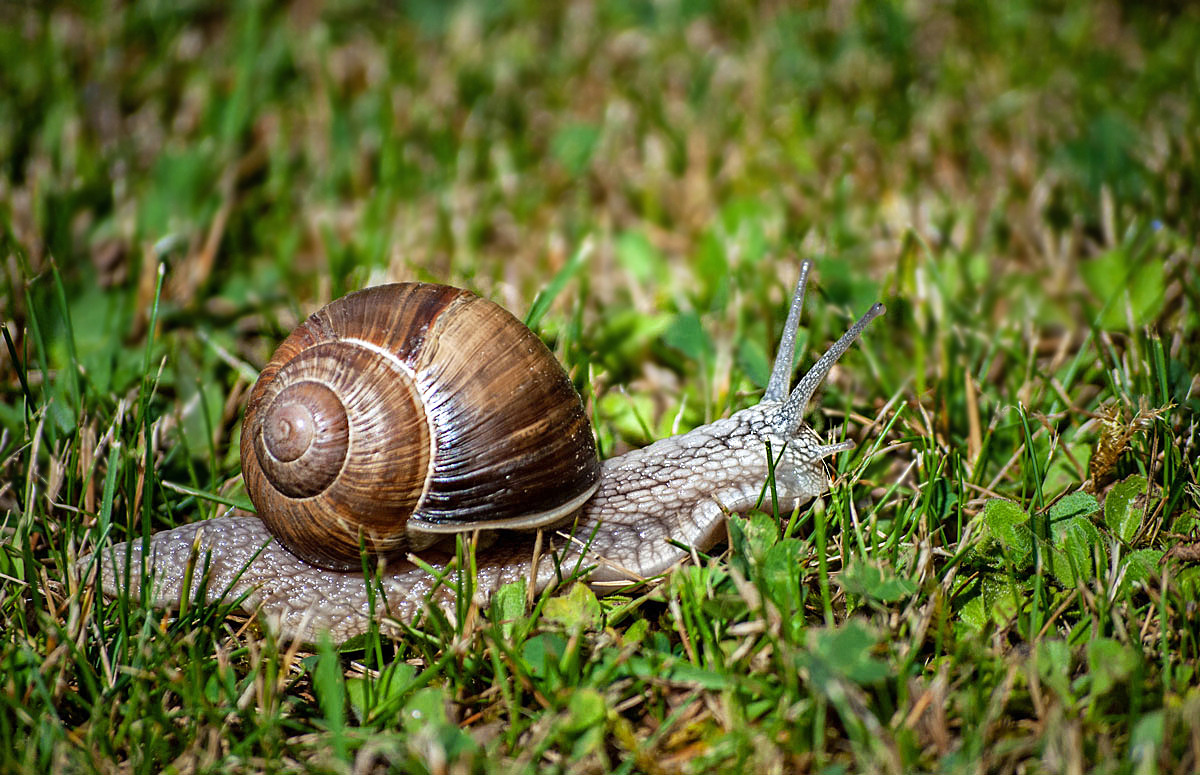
(273, 156)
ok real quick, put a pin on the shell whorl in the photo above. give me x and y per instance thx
(304, 439)
(406, 410)
(362, 470)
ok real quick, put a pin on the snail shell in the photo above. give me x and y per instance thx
(402, 412)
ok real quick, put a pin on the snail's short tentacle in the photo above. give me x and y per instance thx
(791, 414)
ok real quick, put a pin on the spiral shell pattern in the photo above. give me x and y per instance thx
(407, 410)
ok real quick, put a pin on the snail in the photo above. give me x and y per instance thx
(459, 419)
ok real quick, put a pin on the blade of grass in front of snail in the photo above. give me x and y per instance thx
(545, 297)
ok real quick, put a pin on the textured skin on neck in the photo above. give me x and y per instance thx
(677, 489)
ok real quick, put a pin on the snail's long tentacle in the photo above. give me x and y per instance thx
(785, 356)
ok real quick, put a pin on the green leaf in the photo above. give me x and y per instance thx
(585, 708)
(782, 573)
(1076, 550)
(574, 145)
(1001, 597)
(1109, 664)
(847, 651)
(366, 695)
(1146, 741)
(698, 582)
(1138, 566)
(636, 633)
(1131, 289)
(678, 671)
(1008, 522)
(575, 611)
(1186, 521)
(753, 536)
(1188, 582)
(1121, 514)
(542, 652)
(425, 715)
(1076, 504)
(424, 709)
(508, 606)
(640, 258)
(972, 614)
(1074, 541)
(1054, 667)
(685, 672)
(586, 711)
(686, 334)
(871, 581)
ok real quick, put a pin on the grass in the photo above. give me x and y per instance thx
(1003, 578)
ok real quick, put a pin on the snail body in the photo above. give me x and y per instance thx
(675, 491)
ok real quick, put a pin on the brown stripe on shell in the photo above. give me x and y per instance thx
(397, 318)
(521, 447)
